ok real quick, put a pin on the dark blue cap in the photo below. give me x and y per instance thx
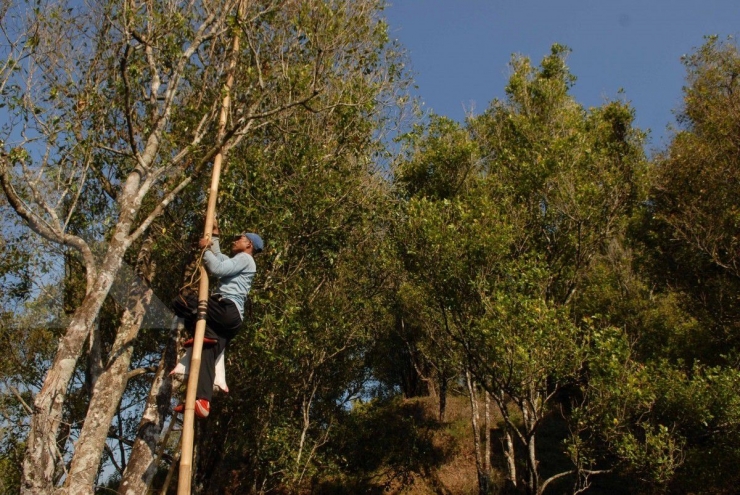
(257, 242)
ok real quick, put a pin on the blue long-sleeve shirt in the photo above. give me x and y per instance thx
(234, 274)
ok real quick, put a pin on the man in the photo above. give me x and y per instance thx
(225, 306)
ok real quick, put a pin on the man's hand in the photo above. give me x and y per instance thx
(204, 243)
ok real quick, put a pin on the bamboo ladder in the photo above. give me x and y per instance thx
(186, 453)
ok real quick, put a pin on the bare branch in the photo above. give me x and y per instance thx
(112, 458)
(272, 112)
(40, 226)
(80, 188)
(555, 477)
(20, 399)
(140, 371)
(127, 101)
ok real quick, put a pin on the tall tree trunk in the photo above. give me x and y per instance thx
(109, 386)
(487, 433)
(511, 481)
(42, 452)
(529, 419)
(146, 452)
(510, 456)
(309, 393)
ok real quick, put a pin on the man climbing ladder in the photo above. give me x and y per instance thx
(225, 311)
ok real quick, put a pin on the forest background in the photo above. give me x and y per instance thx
(522, 301)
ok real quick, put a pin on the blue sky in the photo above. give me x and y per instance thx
(460, 49)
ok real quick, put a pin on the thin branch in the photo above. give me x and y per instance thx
(112, 457)
(205, 30)
(127, 101)
(277, 110)
(169, 197)
(121, 449)
(36, 222)
(140, 371)
(39, 199)
(41, 227)
(20, 399)
(555, 477)
(257, 61)
(80, 188)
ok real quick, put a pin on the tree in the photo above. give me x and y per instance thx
(694, 178)
(319, 200)
(688, 238)
(113, 112)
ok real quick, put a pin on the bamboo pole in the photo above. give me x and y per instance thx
(186, 455)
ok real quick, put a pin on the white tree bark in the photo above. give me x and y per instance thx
(108, 389)
(143, 461)
(41, 453)
(510, 456)
(480, 462)
(42, 456)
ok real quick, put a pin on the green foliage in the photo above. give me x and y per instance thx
(384, 443)
(313, 83)
(307, 184)
(526, 247)
(510, 237)
(688, 240)
(440, 157)
(695, 201)
(532, 247)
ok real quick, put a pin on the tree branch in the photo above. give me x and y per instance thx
(81, 187)
(127, 101)
(140, 371)
(41, 227)
(555, 477)
(20, 399)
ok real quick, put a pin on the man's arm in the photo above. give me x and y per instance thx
(225, 266)
(213, 244)
(216, 249)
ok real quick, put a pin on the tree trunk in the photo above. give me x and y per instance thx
(487, 433)
(510, 456)
(107, 393)
(42, 452)
(144, 458)
(529, 419)
(484, 481)
(103, 405)
(143, 461)
(511, 482)
(306, 416)
(442, 396)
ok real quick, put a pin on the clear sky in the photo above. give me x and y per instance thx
(460, 49)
